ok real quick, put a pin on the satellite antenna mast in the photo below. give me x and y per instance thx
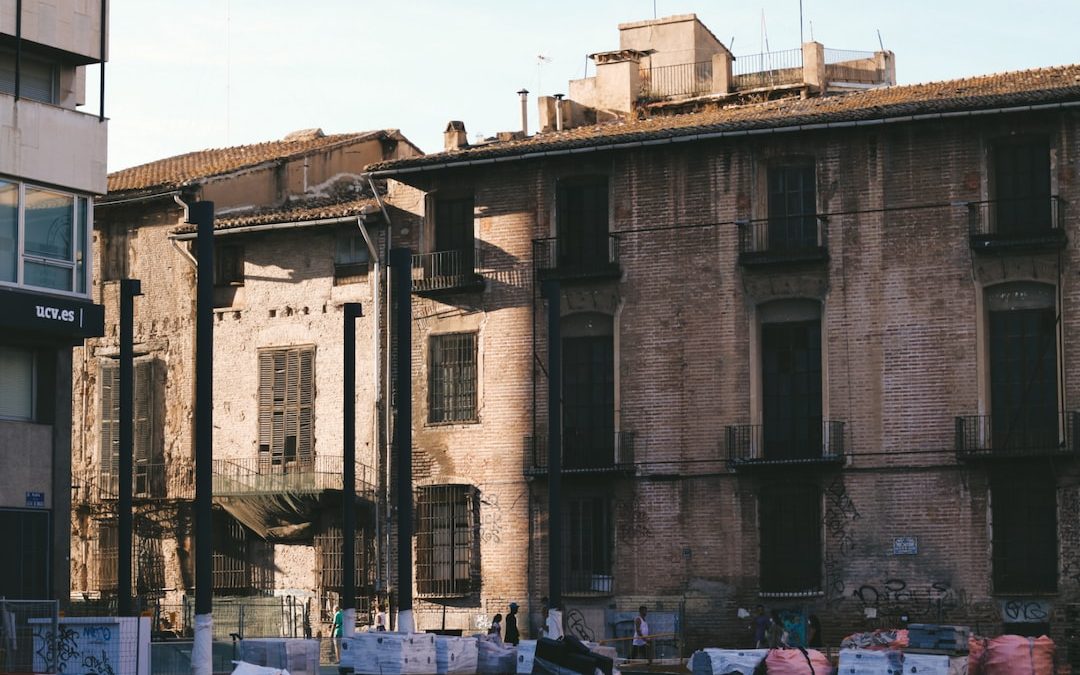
(541, 61)
(800, 23)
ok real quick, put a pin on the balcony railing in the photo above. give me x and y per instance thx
(583, 451)
(149, 482)
(1017, 436)
(768, 69)
(446, 270)
(754, 444)
(684, 79)
(567, 259)
(846, 65)
(787, 239)
(259, 475)
(1033, 223)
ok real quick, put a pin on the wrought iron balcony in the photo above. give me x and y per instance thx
(568, 259)
(788, 239)
(1016, 224)
(262, 475)
(583, 451)
(446, 271)
(683, 79)
(755, 445)
(150, 481)
(1017, 436)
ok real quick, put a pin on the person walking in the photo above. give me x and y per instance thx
(639, 648)
(813, 632)
(496, 628)
(761, 628)
(380, 618)
(512, 635)
(335, 633)
(776, 636)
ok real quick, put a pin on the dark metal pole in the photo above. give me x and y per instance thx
(104, 42)
(553, 295)
(401, 265)
(353, 311)
(202, 214)
(129, 288)
(18, 48)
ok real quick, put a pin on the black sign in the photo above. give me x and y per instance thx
(50, 314)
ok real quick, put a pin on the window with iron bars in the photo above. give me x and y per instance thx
(789, 527)
(286, 405)
(447, 551)
(148, 468)
(452, 368)
(588, 545)
(147, 560)
(242, 561)
(329, 548)
(1024, 525)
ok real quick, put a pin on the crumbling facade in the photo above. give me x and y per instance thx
(298, 233)
(817, 354)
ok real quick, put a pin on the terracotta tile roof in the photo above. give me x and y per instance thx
(295, 212)
(173, 172)
(1018, 88)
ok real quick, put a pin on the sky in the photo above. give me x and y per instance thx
(185, 76)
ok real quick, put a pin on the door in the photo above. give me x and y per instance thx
(791, 390)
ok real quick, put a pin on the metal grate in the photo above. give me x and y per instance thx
(242, 562)
(452, 372)
(447, 517)
(329, 547)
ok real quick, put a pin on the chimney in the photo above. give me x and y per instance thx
(524, 94)
(558, 112)
(455, 138)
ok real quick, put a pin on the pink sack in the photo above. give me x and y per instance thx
(1016, 655)
(793, 662)
(976, 653)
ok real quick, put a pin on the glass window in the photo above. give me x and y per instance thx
(351, 257)
(9, 231)
(16, 383)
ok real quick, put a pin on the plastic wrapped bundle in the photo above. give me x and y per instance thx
(727, 661)
(383, 653)
(526, 652)
(870, 662)
(1017, 655)
(927, 664)
(455, 654)
(495, 657)
(797, 662)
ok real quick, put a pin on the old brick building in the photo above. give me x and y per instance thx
(296, 226)
(818, 347)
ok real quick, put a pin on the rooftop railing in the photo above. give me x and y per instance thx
(768, 69)
(683, 79)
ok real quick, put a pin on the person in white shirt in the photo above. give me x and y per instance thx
(639, 648)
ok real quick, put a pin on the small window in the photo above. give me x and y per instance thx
(790, 530)
(1024, 522)
(588, 544)
(114, 253)
(229, 265)
(26, 563)
(792, 207)
(17, 383)
(446, 517)
(351, 257)
(286, 407)
(452, 397)
(51, 230)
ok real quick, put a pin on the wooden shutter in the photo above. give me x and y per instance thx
(286, 406)
(266, 406)
(305, 432)
(109, 460)
(147, 460)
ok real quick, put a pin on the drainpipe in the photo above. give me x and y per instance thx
(373, 252)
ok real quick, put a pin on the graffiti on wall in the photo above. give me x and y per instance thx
(840, 516)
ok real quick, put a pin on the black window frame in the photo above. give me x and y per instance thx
(588, 401)
(791, 205)
(790, 538)
(447, 540)
(588, 544)
(1024, 523)
(583, 223)
(455, 230)
(1022, 186)
(229, 265)
(453, 378)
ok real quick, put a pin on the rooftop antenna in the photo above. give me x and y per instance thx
(764, 34)
(654, 9)
(811, 31)
(731, 45)
(801, 25)
(880, 43)
(541, 61)
(228, 71)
